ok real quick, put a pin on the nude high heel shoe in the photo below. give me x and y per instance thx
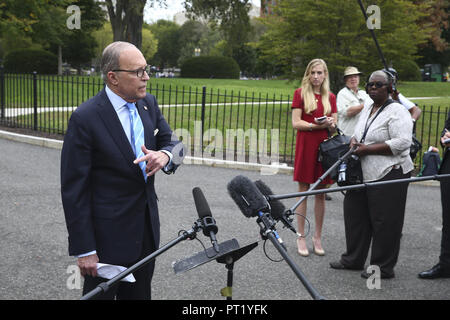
(302, 251)
(317, 251)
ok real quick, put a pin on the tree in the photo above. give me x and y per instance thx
(437, 49)
(168, 36)
(336, 31)
(231, 16)
(78, 45)
(127, 19)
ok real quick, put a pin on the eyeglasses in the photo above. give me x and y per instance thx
(139, 72)
(377, 84)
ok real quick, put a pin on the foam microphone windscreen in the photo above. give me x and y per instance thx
(201, 204)
(247, 196)
(277, 207)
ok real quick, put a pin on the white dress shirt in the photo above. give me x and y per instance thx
(345, 99)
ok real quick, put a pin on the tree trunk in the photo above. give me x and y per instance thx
(127, 18)
(59, 60)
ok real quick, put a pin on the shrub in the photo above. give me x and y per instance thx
(408, 70)
(210, 67)
(29, 60)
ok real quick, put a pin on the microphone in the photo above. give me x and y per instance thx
(204, 213)
(252, 203)
(278, 211)
(247, 196)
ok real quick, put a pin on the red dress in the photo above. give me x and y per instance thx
(306, 167)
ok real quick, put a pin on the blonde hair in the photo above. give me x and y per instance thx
(307, 90)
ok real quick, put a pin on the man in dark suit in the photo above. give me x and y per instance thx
(107, 179)
(442, 269)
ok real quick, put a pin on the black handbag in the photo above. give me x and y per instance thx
(331, 149)
(415, 147)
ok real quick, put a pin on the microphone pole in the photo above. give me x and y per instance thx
(380, 53)
(358, 186)
(268, 231)
(321, 178)
(105, 286)
(253, 203)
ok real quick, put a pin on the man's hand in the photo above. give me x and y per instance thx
(445, 137)
(156, 160)
(88, 265)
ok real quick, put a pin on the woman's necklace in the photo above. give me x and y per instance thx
(317, 93)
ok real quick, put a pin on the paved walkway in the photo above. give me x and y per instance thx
(35, 264)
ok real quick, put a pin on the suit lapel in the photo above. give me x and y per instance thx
(143, 107)
(112, 123)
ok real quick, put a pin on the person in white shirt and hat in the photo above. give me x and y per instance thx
(350, 101)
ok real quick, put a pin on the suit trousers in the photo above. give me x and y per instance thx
(375, 215)
(139, 290)
(444, 258)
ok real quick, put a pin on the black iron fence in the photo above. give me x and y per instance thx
(217, 124)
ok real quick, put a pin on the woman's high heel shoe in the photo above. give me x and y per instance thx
(319, 252)
(303, 252)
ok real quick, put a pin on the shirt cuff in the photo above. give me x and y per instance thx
(170, 155)
(86, 254)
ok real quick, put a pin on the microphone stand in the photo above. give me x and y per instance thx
(358, 186)
(268, 231)
(105, 286)
(321, 178)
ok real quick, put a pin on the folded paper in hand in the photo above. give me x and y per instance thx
(109, 271)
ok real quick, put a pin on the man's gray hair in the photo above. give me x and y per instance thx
(111, 55)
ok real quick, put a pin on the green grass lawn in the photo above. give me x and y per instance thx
(230, 105)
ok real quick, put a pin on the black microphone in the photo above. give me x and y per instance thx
(247, 196)
(208, 223)
(278, 210)
(252, 202)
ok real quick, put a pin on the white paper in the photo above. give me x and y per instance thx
(109, 271)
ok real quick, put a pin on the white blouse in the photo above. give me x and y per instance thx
(392, 126)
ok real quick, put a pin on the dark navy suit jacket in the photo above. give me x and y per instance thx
(104, 194)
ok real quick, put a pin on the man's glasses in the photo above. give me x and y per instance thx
(139, 72)
(377, 84)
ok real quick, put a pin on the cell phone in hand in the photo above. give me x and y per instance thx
(321, 119)
(447, 141)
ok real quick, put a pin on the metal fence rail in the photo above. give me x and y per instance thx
(218, 124)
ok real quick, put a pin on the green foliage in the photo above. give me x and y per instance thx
(336, 31)
(408, 70)
(167, 34)
(231, 16)
(29, 60)
(210, 67)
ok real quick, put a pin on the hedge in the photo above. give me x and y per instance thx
(29, 60)
(210, 67)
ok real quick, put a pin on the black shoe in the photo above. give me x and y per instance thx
(438, 271)
(338, 265)
(366, 275)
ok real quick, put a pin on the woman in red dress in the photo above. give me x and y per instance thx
(311, 101)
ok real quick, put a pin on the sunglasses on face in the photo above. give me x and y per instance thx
(377, 84)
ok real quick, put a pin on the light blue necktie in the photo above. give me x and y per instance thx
(137, 135)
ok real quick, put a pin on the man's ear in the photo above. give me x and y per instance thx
(112, 78)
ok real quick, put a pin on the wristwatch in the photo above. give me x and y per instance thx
(310, 126)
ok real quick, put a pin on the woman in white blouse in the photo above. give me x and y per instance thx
(376, 214)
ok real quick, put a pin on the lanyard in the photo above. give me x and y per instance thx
(388, 102)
